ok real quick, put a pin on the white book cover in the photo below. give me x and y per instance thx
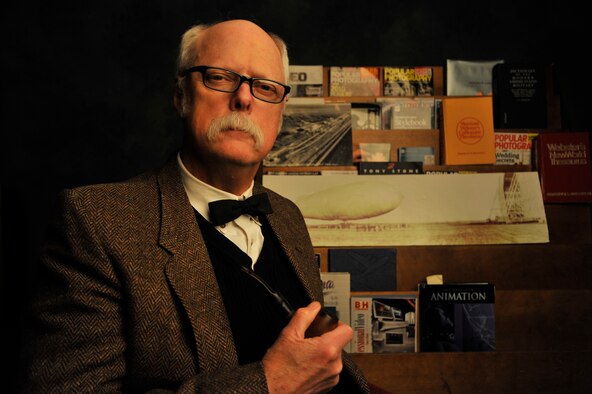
(469, 78)
(336, 293)
(306, 81)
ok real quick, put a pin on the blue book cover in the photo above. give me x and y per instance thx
(371, 269)
(423, 154)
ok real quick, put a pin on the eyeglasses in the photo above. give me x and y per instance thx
(228, 81)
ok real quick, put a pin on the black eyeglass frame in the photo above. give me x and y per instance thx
(202, 70)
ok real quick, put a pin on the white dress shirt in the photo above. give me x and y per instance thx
(244, 231)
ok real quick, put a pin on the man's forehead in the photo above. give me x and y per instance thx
(242, 42)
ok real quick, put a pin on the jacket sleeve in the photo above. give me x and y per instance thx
(78, 337)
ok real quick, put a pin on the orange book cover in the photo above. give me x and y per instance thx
(468, 130)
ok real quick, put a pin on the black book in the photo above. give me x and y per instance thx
(457, 317)
(519, 96)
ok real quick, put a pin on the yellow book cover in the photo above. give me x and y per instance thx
(468, 130)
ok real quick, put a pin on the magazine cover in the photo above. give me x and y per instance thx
(408, 81)
(384, 324)
(354, 81)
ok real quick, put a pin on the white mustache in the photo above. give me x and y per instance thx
(234, 121)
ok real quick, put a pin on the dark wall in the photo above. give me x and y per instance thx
(87, 85)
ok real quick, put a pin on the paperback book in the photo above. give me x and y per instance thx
(457, 317)
(306, 81)
(408, 81)
(468, 130)
(407, 113)
(422, 154)
(371, 269)
(375, 151)
(336, 295)
(354, 81)
(469, 77)
(366, 116)
(384, 323)
(563, 163)
(519, 96)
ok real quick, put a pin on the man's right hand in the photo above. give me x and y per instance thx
(295, 364)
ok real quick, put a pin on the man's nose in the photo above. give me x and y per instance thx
(242, 98)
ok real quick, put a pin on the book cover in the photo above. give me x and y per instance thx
(354, 81)
(390, 168)
(408, 81)
(384, 323)
(407, 113)
(456, 317)
(336, 295)
(371, 269)
(422, 154)
(306, 81)
(468, 130)
(563, 163)
(513, 148)
(519, 96)
(375, 151)
(313, 134)
(366, 116)
(469, 77)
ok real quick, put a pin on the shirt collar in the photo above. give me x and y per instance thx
(201, 194)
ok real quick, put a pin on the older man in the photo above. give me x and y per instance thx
(146, 285)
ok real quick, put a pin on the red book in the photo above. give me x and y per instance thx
(564, 166)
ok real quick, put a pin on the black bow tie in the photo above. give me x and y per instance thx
(224, 211)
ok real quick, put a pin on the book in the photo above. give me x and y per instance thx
(384, 323)
(513, 147)
(519, 96)
(390, 168)
(469, 77)
(422, 154)
(313, 133)
(336, 295)
(366, 116)
(456, 317)
(407, 113)
(408, 81)
(354, 81)
(306, 81)
(468, 134)
(371, 269)
(563, 164)
(375, 151)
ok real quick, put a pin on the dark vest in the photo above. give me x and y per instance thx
(255, 319)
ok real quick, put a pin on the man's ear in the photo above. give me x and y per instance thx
(179, 97)
(178, 102)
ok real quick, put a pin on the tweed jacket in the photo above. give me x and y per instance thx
(128, 299)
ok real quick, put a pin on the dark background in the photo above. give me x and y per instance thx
(87, 86)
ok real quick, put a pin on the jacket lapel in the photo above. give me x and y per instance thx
(294, 242)
(191, 275)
